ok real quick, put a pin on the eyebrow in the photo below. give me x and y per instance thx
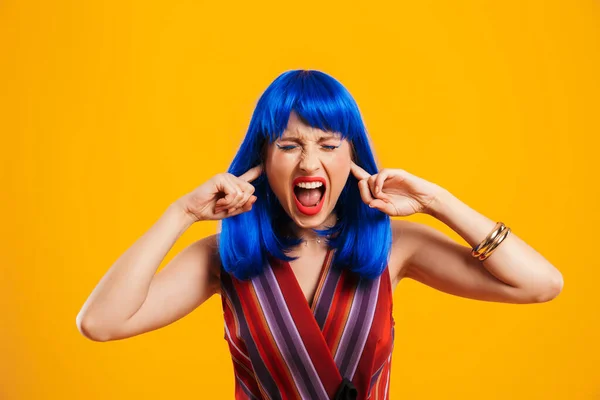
(322, 138)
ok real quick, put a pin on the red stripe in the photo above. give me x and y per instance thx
(376, 352)
(231, 321)
(247, 377)
(307, 326)
(264, 340)
(376, 349)
(325, 269)
(340, 308)
(383, 382)
(377, 393)
(242, 367)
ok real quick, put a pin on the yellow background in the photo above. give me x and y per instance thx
(111, 110)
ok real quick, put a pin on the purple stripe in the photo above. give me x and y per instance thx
(233, 343)
(386, 392)
(245, 388)
(376, 374)
(365, 321)
(374, 378)
(283, 340)
(260, 370)
(361, 316)
(326, 298)
(287, 337)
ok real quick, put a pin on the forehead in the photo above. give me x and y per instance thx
(298, 129)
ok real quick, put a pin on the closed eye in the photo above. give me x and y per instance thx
(331, 147)
(286, 148)
(290, 147)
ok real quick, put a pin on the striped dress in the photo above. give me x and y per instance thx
(282, 348)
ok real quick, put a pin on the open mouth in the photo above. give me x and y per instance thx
(309, 194)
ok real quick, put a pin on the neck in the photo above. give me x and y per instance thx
(309, 235)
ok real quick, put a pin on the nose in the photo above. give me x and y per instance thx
(309, 161)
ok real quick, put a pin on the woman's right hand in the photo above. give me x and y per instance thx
(224, 195)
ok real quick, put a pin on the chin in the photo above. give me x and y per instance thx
(312, 222)
(308, 221)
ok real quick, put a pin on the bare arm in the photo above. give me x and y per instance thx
(130, 299)
(515, 273)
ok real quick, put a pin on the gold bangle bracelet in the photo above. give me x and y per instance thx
(495, 244)
(485, 243)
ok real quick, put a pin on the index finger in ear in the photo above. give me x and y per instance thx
(252, 173)
(358, 172)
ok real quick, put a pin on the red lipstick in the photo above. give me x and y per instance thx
(304, 209)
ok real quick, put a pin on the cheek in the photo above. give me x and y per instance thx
(280, 158)
(339, 163)
(338, 171)
(279, 169)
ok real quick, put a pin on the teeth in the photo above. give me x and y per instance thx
(309, 185)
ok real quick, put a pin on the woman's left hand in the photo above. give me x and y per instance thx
(395, 191)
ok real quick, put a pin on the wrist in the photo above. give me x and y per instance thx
(435, 208)
(178, 213)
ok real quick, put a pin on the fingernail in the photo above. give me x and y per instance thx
(376, 189)
(370, 205)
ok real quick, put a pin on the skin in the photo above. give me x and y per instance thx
(306, 151)
(132, 298)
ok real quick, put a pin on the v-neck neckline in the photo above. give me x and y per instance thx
(305, 319)
(312, 305)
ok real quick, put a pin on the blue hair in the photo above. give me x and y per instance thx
(361, 236)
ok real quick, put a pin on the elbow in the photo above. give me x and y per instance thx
(90, 329)
(553, 289)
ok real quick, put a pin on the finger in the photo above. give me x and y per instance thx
(243, 200)
(229, 189)
(243, 192)
(243, 208)
(372, 187)
(231, 211)
(220, 214)
(235, 211)
(228, 200)
(358, 172)
(371, 182)
(251, 199)
(245, 186)
(248, 205)
(381, 177)
(383, 207)
(379, 180)
(365, 192)
(252, 173)
(239, 191)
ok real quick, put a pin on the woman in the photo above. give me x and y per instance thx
(307, 258)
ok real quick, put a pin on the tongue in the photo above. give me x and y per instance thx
(308, 197)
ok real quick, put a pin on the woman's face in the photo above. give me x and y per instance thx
(307, 169)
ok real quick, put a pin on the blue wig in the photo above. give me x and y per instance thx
(361, 236)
